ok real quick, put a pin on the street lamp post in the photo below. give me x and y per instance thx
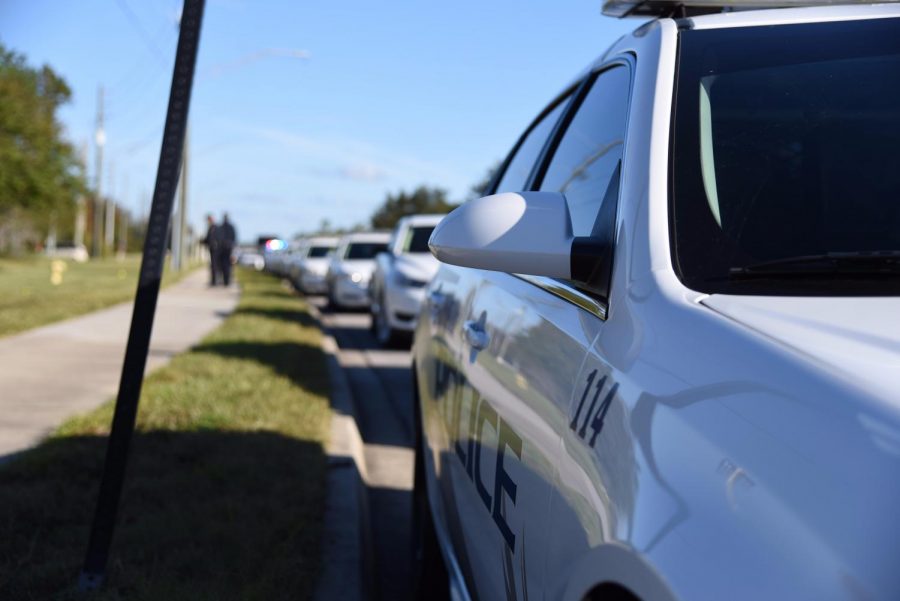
(99, 142)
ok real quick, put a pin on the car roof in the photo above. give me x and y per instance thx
(422, 219)
(741, 18)
(783, 16)
(321, 241)
(367, 237)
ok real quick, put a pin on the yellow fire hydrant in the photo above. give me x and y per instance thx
(57, 267)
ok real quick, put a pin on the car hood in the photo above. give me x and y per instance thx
(859, 337)
(362, 266)
(417, 266)
(317, 265)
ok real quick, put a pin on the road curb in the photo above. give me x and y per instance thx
(348, 555)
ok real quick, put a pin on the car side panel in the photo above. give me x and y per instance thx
(496, 428)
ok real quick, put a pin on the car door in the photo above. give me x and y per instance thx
(523, 343)
(473, 323)
(587, 165)
(522, 348)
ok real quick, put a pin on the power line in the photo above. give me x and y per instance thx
(252, 57)
(136, 23)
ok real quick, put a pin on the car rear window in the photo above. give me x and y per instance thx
(417, 239)
(317, 252)
(365, 250)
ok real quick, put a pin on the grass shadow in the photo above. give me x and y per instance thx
(301, 363)
(205, 515)
(298, 316)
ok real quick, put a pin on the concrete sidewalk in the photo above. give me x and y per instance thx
(55, 371)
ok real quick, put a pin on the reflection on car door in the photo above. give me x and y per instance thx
(586, 166)
(496, 469)
(521, 352)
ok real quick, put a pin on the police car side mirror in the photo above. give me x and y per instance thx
(528, 233)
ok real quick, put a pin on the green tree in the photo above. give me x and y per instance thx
(423, 199)
(40, 176)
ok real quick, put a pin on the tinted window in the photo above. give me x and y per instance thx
(785, 163)
(365, 250)
(417, 239)
(586, 163)
(317, 252)
(527, 153)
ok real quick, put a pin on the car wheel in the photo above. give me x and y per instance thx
(429, 574)
(331, 303)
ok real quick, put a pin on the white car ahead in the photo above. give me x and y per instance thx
(350, 269)
(252, 259)
(308, 269)
(275, 260)
(665, 363)
(401, 274)
(70, 251)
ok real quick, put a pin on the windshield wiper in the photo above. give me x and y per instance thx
(882, 262)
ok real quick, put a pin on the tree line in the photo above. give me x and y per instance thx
(421, 199)
(44, 194)
(41, 177)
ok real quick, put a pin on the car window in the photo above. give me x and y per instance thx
(586, 164)
(528, 151)
(417, 239)
(365, 250)
(317, 252)
(784, 167)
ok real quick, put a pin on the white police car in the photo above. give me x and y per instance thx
(691, 387)
(350, 269)
(309, 269)
(401, 274)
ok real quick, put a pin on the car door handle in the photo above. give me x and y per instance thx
(476, 336)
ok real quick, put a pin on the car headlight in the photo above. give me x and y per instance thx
(356, 278)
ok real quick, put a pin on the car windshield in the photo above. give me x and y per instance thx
(317, 252)
(417, 239)
(364, 250)
(786, 159)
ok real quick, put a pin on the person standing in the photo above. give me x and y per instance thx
(212, 244)
(226, 241)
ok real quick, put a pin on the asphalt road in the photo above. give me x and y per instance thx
(380, 384)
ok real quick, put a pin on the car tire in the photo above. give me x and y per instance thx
(429, 574)
(331, 304)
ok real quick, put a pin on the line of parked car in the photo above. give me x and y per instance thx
(660, 359)
(385, 273)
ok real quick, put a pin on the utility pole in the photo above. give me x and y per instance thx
(183, 201)
(80, 209)
(175, 239)
(124, 221)
(110, 228)
(99, 142)
(123, 233)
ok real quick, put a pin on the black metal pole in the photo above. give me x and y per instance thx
(94, 571)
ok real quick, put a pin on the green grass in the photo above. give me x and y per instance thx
(226, 486)
(28, 297)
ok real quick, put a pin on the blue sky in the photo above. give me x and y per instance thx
(391, 94)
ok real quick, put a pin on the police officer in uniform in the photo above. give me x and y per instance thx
(212, 244)
(226, 237)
